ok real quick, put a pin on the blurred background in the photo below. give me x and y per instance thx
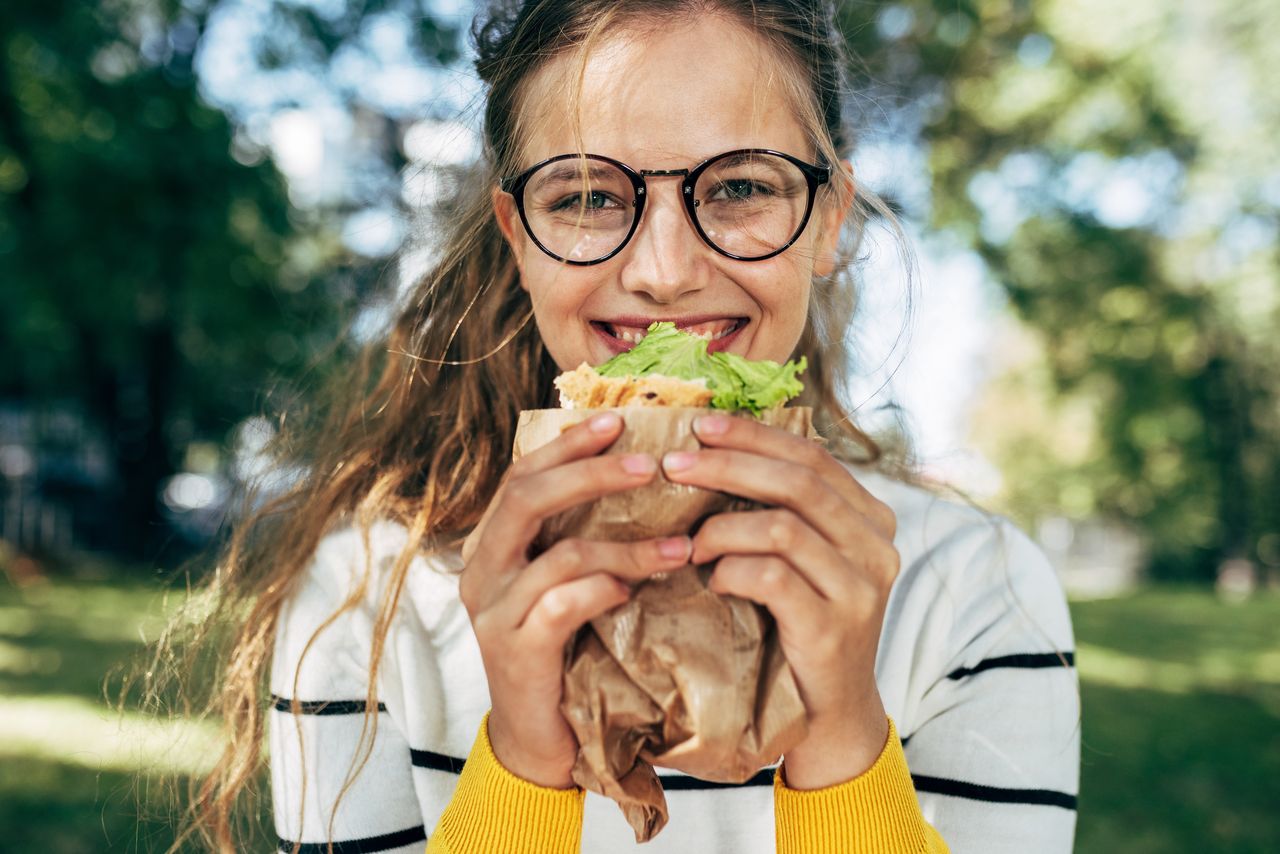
(205, 204)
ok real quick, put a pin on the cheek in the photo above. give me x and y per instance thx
(783, 283)
(556, 291)
(561, 299)
(782, 294)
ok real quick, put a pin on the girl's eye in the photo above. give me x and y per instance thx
(740, 190)
(595, 201)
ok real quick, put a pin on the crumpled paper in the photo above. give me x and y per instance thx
(677, 676)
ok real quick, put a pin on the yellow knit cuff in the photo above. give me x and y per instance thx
(495, 812)
(876, 812)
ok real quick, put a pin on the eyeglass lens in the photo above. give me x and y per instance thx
(748, 205)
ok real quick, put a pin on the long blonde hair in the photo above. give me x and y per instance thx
(410, 431)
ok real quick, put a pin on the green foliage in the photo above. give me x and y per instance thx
(149, 279)
(1110, 166)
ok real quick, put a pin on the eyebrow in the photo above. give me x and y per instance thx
(739, 159)
(574, 172)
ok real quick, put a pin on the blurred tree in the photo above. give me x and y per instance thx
(1115, 168)
(365, 71)
(148, 279)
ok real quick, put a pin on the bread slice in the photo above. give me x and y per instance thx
(583, 388)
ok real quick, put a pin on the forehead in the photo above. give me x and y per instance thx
(664, 97)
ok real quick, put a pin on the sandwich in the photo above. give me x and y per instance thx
(677, 676)
(673, 368)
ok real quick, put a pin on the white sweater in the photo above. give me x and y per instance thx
(970, 667)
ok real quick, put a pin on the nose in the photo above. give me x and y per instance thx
(663, 259)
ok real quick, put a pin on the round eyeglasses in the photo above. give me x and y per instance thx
(748, 204)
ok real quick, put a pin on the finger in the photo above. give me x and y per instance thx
(747, 434)
(574, 558)
(767, 480)
(527, 501)
(781, 533)
(581, 440)
(565, 608)
(770, 581)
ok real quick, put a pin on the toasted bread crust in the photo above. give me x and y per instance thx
(583, 388)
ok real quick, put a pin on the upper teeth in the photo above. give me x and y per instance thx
(635, 336)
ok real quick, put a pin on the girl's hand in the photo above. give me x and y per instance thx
(822, 562)
(524, 611)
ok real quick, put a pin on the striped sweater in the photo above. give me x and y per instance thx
(974, 668)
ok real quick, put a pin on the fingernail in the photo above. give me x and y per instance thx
(678, 461)
(605, 422)
(711, 425)
(675, 548)
(638, 464)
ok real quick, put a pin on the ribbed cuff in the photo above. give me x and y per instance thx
(875, 813)
(495, 812)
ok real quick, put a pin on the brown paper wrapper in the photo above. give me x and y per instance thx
(677, 676)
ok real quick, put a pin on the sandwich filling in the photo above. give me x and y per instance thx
(671, 367)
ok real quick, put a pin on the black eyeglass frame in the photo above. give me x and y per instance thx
(815, 176)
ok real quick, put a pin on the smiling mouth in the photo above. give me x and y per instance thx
(712, 330)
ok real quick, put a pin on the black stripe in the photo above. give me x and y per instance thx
(436, 761)
(368, 845)
(764, 777)
(992, 794)
(681, 782)
(1027, 660)
(323, 707)
(675, 782)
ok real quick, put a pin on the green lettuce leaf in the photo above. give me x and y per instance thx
(735, 382)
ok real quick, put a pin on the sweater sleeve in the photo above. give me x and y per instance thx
(495, 812)
(874, 813)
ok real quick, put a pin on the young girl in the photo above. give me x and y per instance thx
(408, 628)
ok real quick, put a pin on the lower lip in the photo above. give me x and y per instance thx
(617, 345)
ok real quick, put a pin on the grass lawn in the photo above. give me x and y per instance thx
(70, 764)
(1181, 722)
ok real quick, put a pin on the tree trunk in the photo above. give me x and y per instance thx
(143, 454)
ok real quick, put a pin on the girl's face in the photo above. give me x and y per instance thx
(669, 99)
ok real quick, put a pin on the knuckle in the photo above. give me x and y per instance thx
(482, 625)
(519, 469)
(811, 483)
(885, 519)
(869, 603)
(570, 554)
(518, 498)
(833, 502)
(812, 454)
(891, 565)
(556, 604)
(774, 575)
(784, 530)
